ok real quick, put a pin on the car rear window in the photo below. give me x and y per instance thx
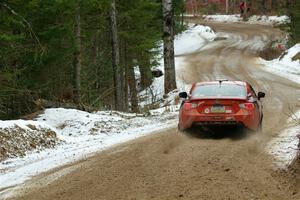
(216, 90)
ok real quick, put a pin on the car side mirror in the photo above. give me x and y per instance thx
(261, 95)
(183, 95)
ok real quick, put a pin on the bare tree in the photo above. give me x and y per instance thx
(118, 92)
(133, 90)
(168, 39)
(77, 56)
(145, 69)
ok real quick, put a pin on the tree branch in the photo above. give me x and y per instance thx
(26, 22)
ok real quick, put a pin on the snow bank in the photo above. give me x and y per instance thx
(81, 133)
(286, 65)
(254, 19)
(285, 146)
(19, 136)
(193, 39)
(268, 20)
(222, 18)
(75, 123)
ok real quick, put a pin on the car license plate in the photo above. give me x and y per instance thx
(218, 109)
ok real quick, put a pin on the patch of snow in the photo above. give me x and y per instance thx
(137, 73)
(222, 18)
(268, 20)
(83, 134)
(285, 146)
(23, 124)
(193, 39)
(254, 19)
(284, 65)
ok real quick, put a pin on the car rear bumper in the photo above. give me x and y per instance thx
(241, 118)
(212, 123)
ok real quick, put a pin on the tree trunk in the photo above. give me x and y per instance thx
(77, 56)
(133, 91)
(145, 69)
(118, 92)
(125, 76)
(96, 50)
(264, 8)
(168, 39)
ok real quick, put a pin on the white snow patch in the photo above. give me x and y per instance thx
(23, 124)
(268, 20)
(254, 19)
(284, 65)
(193, 39)
(222, 18)
(285, 146)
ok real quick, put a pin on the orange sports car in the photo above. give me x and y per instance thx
(221, 102)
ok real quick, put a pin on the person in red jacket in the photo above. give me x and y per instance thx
(242, 7)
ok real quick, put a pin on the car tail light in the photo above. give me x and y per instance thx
(247, 106)
(189, 106)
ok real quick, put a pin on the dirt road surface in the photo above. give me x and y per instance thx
(172, 165)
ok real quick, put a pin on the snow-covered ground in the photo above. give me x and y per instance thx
(193, 39)
(285, 66)
(82, 134)
(254, 19)
(285, 146)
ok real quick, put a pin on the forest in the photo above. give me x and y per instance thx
(61, 51)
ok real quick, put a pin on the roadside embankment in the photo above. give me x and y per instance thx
(19, 136)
